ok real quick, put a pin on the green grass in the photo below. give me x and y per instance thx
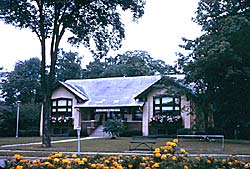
(120, 144)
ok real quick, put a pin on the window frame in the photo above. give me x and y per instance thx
(55, 106)
(173, 106)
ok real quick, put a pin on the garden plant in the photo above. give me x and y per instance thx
(167, 156)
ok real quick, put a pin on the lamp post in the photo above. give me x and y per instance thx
(78, 129)
(17, 117)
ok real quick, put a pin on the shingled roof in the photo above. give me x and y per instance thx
(110, 92)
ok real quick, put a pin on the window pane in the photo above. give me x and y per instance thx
(166, 100)
(165, 108)
(69, 109)
(177, 108)
(62, 109)
(69, 102)
(54, 103)
(53, 110)
(62, 102)
(157, 100)
(157, 108)
(177, 101)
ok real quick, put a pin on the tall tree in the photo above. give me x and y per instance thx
(23, 82)
(68, 66)
(130, 63)
(219, 61)
(95, 23)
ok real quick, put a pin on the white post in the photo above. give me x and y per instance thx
(17, 117)
(78, 129)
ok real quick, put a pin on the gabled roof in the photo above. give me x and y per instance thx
(110, 92)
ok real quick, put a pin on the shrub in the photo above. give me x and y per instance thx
(215, 130)
(130, 133)
(184, 131)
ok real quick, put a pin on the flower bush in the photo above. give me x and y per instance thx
(165, 120)
(168, 156)
(60, 119)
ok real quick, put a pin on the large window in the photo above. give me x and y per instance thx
(166, 105)
(62, 105)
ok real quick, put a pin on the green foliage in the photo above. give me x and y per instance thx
(7, 120)
(113, 127)
(219, 62)
(68, 66)
(23, 82)
(131, 63)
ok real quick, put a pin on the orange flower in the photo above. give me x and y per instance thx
(19, 167)
(185, 167)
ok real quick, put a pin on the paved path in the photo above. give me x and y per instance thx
(58, 141)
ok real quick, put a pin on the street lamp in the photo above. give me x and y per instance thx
(78, 129)
(17, 117)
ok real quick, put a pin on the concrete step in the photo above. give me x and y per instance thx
(99, 132)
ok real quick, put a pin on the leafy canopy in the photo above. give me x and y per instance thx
(219, 60)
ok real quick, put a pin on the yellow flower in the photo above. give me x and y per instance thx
(174, 158)
(84, 159)
(229, 163)
(175, 140)
(73, 155)
(106, 161)
(143, 164)
(169, 155)
(93, 165)
(65, 161)
(163, 157)
(185, 167)
(209, 161)
(130, 165)
(19, 167)
(56, 160)
(182, 151)
(197, 158)
(157, 154)
(157, 150)
(18, 156)
(80, 162)
(224, 161)
(156, 165)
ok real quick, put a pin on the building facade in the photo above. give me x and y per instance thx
(150, 104)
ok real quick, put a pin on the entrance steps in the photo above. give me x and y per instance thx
(99, 132)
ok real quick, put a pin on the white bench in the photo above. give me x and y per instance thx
(209, 138)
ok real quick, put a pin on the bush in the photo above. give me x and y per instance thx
(130, 133)
(184, 131)
(215, 131)
(73, 133)
(29, 133)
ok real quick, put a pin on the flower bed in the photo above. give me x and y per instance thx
(167, 156)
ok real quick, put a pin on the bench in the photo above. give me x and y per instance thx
(142, 143)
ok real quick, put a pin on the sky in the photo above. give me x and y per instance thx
(158, 32)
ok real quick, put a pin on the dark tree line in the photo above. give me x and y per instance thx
(219, 63)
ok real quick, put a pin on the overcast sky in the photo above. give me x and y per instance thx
(158, 32)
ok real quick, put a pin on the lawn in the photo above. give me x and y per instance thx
(118, 145)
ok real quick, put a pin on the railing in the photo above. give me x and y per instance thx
(209, 138)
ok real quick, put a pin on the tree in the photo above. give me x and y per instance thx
(130, 63)
(219, 62)
(68, 66)
(95, 23)
(23, 82)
